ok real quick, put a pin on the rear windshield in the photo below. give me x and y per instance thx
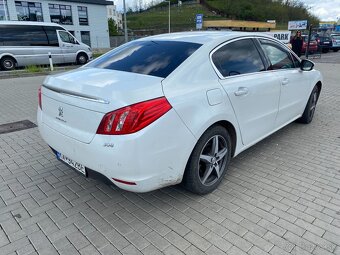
(306, 38)
(156, 58)
(336, 37)
(324, 38)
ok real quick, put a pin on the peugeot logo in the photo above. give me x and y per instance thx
(61, 111)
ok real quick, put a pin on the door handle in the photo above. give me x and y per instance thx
(285, 81)
(241, 91)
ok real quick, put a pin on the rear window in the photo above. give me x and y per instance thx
(156, 58)
(324, 38)
(336, 37)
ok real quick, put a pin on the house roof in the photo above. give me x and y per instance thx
(100, 2)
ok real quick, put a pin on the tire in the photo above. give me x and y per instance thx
(336, 50)
(82, 59)
(208, 161)
(7, 63)
(309, 111)
(325, 50)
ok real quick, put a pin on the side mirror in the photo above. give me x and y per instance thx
(306, 65)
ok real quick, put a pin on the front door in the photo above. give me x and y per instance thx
(68, 45)
(294, 83)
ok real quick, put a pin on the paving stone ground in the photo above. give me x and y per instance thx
(281, 196)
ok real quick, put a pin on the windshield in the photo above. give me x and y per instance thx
(156, 58)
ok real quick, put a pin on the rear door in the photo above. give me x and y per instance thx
(68, 45)
(254, 94)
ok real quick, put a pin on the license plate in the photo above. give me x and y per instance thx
(326, 42)
(79, 167)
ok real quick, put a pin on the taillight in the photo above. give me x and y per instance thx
(133, 118)
(39, 96)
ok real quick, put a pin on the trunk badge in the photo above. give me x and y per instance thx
(61, 111)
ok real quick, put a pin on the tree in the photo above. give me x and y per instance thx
(113, 28)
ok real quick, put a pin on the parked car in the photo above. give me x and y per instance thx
(29, 43)
(324, 43)
(313, 45)
(175, 108)
(335, 42)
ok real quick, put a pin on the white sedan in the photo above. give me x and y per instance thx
(175, 108)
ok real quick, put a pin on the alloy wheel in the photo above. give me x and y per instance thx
(212, 160)
(313, 104)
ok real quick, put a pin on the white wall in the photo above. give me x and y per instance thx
(115, 15)
(97, 15)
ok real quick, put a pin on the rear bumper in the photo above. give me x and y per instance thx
(152, 158)
(324, 46)
(310, 49)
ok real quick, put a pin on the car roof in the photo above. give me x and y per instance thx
(203, 37)
(34, 23)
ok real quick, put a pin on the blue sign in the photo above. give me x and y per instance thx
(337, 28)
(199, 21)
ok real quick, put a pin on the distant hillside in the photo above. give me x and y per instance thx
(261, 10)
(155, 18)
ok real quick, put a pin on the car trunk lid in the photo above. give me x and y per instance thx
(74, 103)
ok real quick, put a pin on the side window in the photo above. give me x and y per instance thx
(66, 37)
(278, 57)
(22, 35)
(296, 61)
(238, 57)
(52, 37)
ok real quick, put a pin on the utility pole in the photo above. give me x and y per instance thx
(169, 16)
(5, 8)
(125, 25)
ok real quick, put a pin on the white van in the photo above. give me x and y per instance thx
(28, 43)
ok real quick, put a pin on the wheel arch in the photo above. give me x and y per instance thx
(9, 56)
(82, 52)
(232, 132)
(319, 85)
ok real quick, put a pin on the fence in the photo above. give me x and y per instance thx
(116, 41)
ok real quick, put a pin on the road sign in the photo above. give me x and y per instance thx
(199, 21)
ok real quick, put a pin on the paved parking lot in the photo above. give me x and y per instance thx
(282, 196)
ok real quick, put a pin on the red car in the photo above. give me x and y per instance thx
(313, 45)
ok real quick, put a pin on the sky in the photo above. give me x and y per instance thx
(326, 10)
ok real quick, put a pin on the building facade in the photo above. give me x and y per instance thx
(85, 19)
(112, 13)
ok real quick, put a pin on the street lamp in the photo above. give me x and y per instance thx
(169, 15)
